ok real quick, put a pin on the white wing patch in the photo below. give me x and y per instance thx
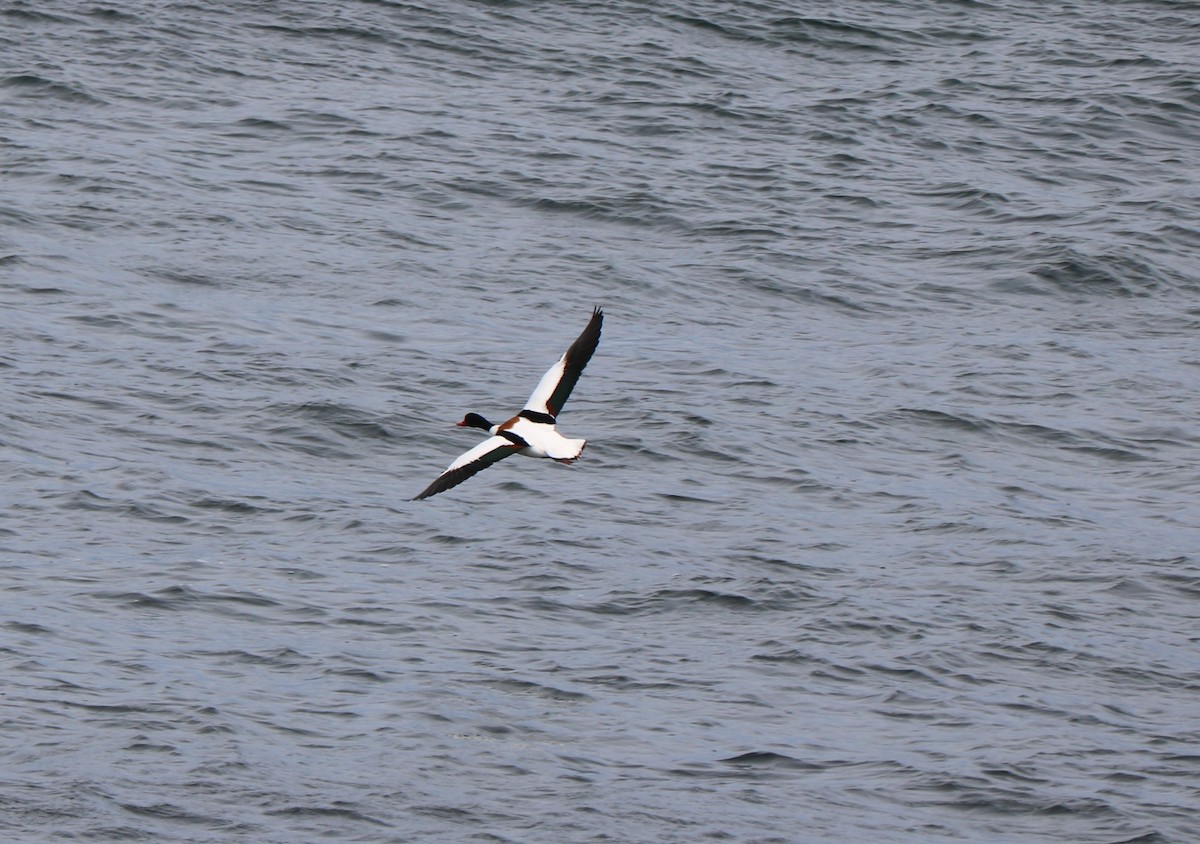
(490, 444)
(545, 388)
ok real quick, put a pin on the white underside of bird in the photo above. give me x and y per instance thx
(543, 441)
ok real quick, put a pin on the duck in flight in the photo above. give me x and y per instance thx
(531, 432)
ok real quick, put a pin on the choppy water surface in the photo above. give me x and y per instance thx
(887, 529)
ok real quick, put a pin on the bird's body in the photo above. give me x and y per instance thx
(531, 432)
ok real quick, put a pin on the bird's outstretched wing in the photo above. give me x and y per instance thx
(556, 385)
(490, 451)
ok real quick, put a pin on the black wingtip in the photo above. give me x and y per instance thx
(430, 491)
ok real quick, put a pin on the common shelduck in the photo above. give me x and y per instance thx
(531, 432)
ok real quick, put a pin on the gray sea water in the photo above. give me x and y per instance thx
(888, 526)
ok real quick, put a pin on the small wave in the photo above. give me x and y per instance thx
(1089, 442)
(341, 813)
(32, 16)
(756, 596)
(88, 500)
(771, 759)
(183, 598)
(839, 37)
(527, 687)
(28, 628)
(170, 812)
(1070, 272)
(752, 765)
(322, 429)
(334, 33)
(232, 506)
(28, 84)
(343, 419)
(279, 658)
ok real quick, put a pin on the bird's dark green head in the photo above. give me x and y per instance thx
(474, 420)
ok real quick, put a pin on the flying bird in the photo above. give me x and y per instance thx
(531, 432)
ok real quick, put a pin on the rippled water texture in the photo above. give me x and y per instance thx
(887, 530)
